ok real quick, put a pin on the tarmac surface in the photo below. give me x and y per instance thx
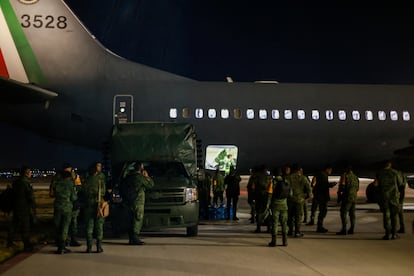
(231, 248)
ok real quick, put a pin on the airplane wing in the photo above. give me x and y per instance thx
(15, 92)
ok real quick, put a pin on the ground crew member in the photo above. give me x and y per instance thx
(388, 180)
(133, 190)
(218, 187)
(232, 183)
(278, 191)
(94, 181)
(65, 195)
(23, 209)
(347, 196)
(300, 188)
(261, 182)
(321, 195)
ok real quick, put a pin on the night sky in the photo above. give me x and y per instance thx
(247, 40)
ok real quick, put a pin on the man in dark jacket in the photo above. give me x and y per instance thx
(232, 183)
(23, 208)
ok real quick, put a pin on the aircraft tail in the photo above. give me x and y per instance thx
(42, 42)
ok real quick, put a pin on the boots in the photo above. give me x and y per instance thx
(284, 240)
(351, 230)
(342, 232)
(311, 222)
(74, 242)
(61, 248)
(99, 247)
(88, 246)
(273, 242)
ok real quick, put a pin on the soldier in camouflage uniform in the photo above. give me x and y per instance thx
(93, 180)
(401, 189)
(65, 195)
(388, 180)
(23, 208)
(218, 187)
(73, 227)
(133, 190)
(278, 191)
(301, 190)
(347, 196)
(261, 182)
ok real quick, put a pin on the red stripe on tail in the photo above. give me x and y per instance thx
(3, 68)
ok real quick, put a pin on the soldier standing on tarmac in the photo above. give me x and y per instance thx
(232, 182)
(388, 180)
(23, 209)
(300, 187)
(278, 191)
(133, 190)
(218, 188)
(321, 195)
(73, 228)
(401, 189)
(94, 181)
(65, 195)
(347, 196)
(250, 195)
(261, 182)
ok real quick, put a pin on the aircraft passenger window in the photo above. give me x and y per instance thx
(263, 114)
(394, 115)
(173, 113)
(329, 115)
(225, 114)
(212, 113)
(301, 114)
(355, 115)
(237, 114)
(275, 114)
(315, 115)
(382, 116)
(199, 113)
(288, 114)
(250, 113)
(342, 115)
(186, 112)
(369, 115)
(406, 115)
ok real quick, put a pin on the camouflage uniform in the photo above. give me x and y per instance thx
(23, 204)
(261, 182)
(133, 190)
(279, 207)
(218, 188)
(388, 182)
(300, 187)
(401, 189)
(347, 195)
(65, 195)
(232, 182)
(90, 194)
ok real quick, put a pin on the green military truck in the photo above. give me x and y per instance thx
(169, 153)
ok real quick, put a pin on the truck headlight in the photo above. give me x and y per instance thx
(191, 194)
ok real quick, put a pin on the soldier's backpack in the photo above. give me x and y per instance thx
(6, 200)
(281, 188)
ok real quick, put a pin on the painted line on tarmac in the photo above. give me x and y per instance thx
(298, 260)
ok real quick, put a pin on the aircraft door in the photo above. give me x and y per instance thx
(123, 109)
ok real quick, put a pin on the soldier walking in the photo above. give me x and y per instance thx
(261, 182)
(388, 180)
(347, 196)
(133, 190)
(232, 182)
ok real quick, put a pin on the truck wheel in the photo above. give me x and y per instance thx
(192, 231)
